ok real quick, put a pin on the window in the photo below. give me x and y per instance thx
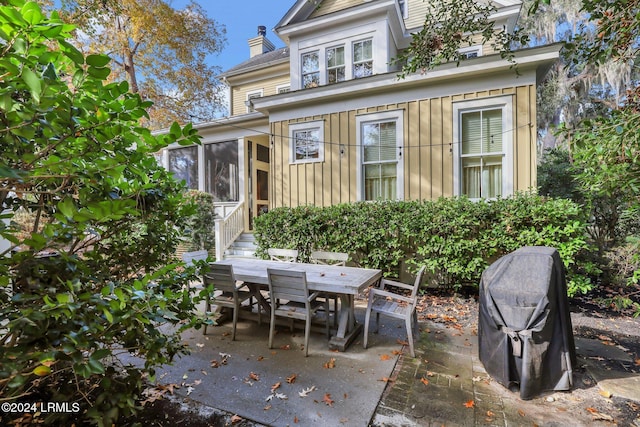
(250, 96)
(307, 142)
(471, 52)
(183, 164)
(310, 70)
(221, 171)
(482, 168)
(380, 138)
(283, 88)
(335, 65)
(362, 59)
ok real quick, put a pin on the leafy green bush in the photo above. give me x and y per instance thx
(200, 225)
(91, 283)
(454, 237)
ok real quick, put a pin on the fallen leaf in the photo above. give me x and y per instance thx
(385, 357)
(605, 393)
(521, 412)
(189, 390)
(399, 341)
(424, 381)
(327, 399)
(285, 347)
(291, 378)
(469, 404)
(266, 408)
(275, 386)
(236, 419)
(385, 379)
(281, 396)
(396, 352)
(637, 361)
(254, 376)
(331, 363)
(490, 414)
(260, 358)
(305, 392)
(295, 420)
(199, 345)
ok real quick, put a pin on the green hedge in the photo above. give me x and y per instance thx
(454, 237)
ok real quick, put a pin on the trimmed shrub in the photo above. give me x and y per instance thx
(456, 238)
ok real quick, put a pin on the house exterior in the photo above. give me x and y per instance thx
(326, 120)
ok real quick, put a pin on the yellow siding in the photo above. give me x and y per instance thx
(239, 93)
(329, 6)
(427, 154)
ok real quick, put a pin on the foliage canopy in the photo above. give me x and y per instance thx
(92, 278)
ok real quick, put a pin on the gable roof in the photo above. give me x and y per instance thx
(259, 61)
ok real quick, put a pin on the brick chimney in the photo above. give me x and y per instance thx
(260, 44)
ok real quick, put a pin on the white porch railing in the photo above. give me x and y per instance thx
(228, 229)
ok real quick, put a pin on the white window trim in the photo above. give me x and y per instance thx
(319, 71)
(293, 128)
(248, 97)
(326, 62)
(285, 86)
(471, 49)
(354, 63)
(386, 116)
(506, 104)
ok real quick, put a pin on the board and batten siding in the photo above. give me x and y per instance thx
(427, 153)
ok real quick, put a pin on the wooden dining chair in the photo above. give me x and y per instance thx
(291, 299)
(330, 258)
(400, 304)
(283, 255)
(233, 292)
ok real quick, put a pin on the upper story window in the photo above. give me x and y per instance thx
(335, 64)
(362, 58)
(251, 96)
(310, 70)
(471, 51)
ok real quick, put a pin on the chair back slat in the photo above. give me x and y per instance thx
(189, 257)
(288, 285)
(221, 276)
(329, 258)
(283, 255)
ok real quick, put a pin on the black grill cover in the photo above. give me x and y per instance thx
(524, 328)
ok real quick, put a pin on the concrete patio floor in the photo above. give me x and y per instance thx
(381, 386)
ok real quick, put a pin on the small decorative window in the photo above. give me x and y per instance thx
(283, 89)
(471, 52)
(310, 70)
(307, 142)
(335, 64)
(250, 97)
(362, 58)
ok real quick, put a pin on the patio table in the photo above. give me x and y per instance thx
(346, 282)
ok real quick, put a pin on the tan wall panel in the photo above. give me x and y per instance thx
(427, 152)
(329, 6)
(239, 93)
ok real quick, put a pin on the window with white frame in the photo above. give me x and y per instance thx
(362, 58)
(482, 165)
(283, 88)
(310, 70)
(250, 97)
(307, 142)
(335, 64)
(380, 156)
(471, 51)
